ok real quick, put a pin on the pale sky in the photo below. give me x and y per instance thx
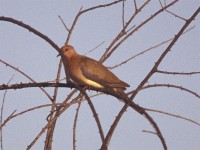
(37, 58)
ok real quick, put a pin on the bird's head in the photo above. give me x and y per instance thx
(67, 51)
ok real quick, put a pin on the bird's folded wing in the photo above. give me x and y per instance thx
(95, 71)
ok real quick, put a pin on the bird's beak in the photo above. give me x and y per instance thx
(58, 55)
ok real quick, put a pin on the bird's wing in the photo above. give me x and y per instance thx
(95, 71)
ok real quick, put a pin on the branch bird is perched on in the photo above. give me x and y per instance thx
(86, 71)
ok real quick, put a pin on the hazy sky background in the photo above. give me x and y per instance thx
(37, 58)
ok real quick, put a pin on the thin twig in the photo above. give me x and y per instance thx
(27, 76)
(84, 11)
(123, 19)
(25, 111)
(176, 15)
(101, 6)
(63, 23)
(152, 71)
(161, 4)
(173, 115)
(52, 81)
(151, 132)
(7, 119)
(36, 32)
(57, 81)
(74, 126)
(178, 73)
(51, 122)
(171, 12)
(109, 53)
(94, 48)
(147, 50)
(172, 86)
(93, 111)
(28, 85)
(135, 5)
(50, 131)
(121, 33)
(2, 109)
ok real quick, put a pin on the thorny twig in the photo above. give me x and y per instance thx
(169, 114)
(36, 32)
(152, 71)
(27, 76)
(172, 86)
(178, 73)
(147, 50)
(2, 108)
(74, 126)
(50, 131)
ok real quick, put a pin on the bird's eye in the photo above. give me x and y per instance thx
(66, 49)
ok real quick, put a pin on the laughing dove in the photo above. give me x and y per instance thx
(86, 71)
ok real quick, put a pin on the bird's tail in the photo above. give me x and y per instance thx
(124, 98)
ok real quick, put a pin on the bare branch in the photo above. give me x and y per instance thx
(121, 33)
(28, 85)
(172, 86)
(74, 126)
(124, 34)
(13, 115)
(36, 32)
(62, 110)
(94, 48)
(109, 135)
(101, 6)
(109, 51)
(135, 5)
(141, 111)
(147, 50)
(7, 119)
(168, 49)
(84, 11)
(173, 115)
(151, 132)
(73, 25)
(93, 111)
(2, 109)
(57, 81)
(161, 4)
(123, 19)
(178, 73)
(63, 85)
(63, 23)
(24, 74)
(176, 15)
(50, 131)
(51, 122)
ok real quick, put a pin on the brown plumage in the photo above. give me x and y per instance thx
(87, 71)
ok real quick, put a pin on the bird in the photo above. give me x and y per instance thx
(89, 72)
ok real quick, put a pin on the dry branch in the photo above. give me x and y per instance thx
(74, 126)
(173, 115)
(84, 11)
(110, 132)
(27, 76)
(171, 86)
(109, 51)
(36, 32)
(178, 73)
(50, 131)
